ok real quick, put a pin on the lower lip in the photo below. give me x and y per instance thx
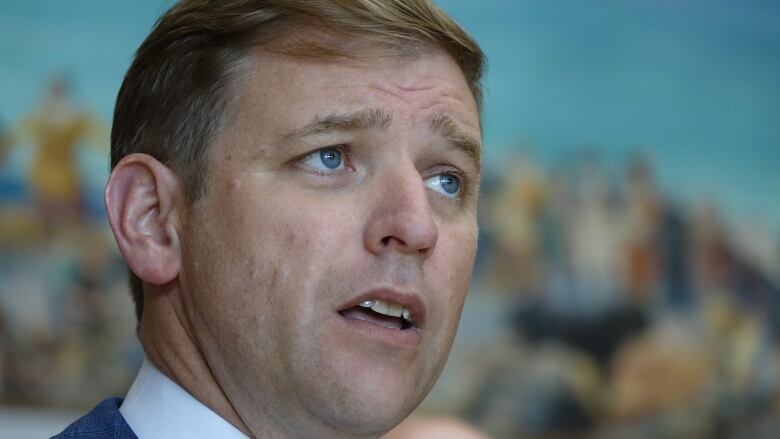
(401, 338)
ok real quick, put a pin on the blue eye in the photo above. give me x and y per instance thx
(331, 158)
(325, 160)
(446, 184)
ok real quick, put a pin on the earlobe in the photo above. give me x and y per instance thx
(143, 200)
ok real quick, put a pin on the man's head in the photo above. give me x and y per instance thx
(294, 189)
(176, 95)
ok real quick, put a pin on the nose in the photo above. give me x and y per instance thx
(402, 219)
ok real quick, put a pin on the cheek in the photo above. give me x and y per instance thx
(289, 244)
(456, 251)
(265, 265)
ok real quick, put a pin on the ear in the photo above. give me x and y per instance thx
(144, 200)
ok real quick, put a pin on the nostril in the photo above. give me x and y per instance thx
(398, 233)
(387, 241)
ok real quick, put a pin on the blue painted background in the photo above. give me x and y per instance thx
(694, 83)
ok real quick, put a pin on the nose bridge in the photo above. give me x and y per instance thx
(408, 193)
(402, 217)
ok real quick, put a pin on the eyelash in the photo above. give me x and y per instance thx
(345, 153)
(465, 180)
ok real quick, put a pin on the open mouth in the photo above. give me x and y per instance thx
(380, 312)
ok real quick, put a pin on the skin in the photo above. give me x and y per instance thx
(243, 288)
(434, 428)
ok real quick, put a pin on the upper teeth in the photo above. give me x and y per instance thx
(387, 308)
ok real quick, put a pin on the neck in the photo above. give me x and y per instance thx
(169, 344)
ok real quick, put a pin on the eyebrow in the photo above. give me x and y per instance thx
(453, 133)
(370, 118)
(375, 118)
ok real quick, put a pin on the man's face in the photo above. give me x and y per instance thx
(335, 185)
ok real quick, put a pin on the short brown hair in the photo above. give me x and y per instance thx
(178, 91)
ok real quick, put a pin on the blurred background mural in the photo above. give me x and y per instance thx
(628, 278)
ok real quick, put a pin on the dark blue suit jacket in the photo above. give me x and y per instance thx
(104, 421)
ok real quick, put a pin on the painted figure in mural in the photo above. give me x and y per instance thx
(56, 128)
(294, 189)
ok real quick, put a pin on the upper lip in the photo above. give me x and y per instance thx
(411, 301)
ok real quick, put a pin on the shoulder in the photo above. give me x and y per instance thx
(104, 421)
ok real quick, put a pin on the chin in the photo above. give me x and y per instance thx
(369, 419)
(366, 403)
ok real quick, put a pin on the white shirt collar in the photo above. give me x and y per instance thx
(156, 407)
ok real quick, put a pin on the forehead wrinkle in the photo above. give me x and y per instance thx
(445, 126)
(408, 92)
(408, 88)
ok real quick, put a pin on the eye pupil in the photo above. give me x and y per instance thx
(449, 183)
(331, 158)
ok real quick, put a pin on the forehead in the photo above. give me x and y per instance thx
(424, 81)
